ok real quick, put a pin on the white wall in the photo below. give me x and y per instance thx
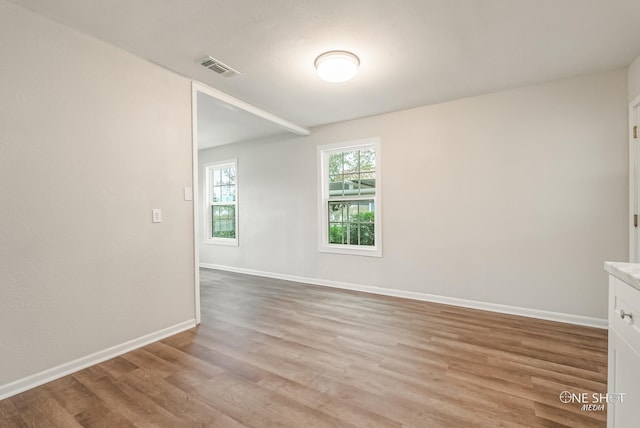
(91, 139)
(634, 79)
(514, 198)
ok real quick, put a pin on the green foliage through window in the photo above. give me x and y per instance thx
(352, 223)
(223, 221)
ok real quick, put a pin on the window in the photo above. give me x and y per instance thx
(221, 203)
(350, 198)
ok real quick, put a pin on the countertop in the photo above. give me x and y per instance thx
(625, 272)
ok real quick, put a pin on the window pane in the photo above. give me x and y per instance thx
(352, 173)
(366, 188)
(224, 228)
(232, 175)
(217, 194)
(351, 161)
(337, 233)
(367, 234)
(216, 177)
(220, 231)
(367, 160)
(368, 183)
(225, 211)
(352, 233)
(365, 212)
(335, 164)
(351, 184)
(335, 185)
(223, 224)
(225, 194)
(353, 211)
(337, 212)
(352, 223)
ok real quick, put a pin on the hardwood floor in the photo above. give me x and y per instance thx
(276, 353)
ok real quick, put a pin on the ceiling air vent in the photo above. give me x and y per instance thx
(218, 67)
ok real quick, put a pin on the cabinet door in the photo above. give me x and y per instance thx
(626, 413)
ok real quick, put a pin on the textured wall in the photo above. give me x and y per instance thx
(91, 139)
(514, 198)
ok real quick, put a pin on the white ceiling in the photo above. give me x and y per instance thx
(412, 52)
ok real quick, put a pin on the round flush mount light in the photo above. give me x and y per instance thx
(337, 66)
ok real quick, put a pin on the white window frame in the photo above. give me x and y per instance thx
(323, 200)
(208, 168)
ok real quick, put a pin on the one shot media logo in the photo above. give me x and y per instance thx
(592, 402)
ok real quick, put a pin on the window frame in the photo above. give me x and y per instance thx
(208, 203)
(324, 152)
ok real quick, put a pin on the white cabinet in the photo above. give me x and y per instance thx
(624, 355)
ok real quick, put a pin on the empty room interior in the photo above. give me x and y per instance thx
(319, 214)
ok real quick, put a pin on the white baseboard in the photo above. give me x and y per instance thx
(54, 373)
(454, 301)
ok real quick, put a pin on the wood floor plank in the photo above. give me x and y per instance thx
(569, 419)
(83, 405)
(39, 408)
(256, 406)
(121, 397)
(73, 396)
(9, 415)
(8, 409)
(183, 361)
(280, 353)
(328, 401)
(189, 409)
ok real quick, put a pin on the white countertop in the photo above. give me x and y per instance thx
(626, 272)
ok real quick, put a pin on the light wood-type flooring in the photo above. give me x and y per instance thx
(276, 353)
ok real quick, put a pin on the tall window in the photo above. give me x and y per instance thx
(350, 198)
(221, 203)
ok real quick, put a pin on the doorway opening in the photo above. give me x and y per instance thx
(219, 119)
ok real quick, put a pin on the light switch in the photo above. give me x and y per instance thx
(188, 194)
(156, 215)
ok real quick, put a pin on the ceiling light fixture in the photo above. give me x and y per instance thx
(337, 66)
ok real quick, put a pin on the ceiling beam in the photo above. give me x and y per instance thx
(249, 108)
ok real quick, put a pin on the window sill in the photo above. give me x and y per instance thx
(352, 251)
(222, 241)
